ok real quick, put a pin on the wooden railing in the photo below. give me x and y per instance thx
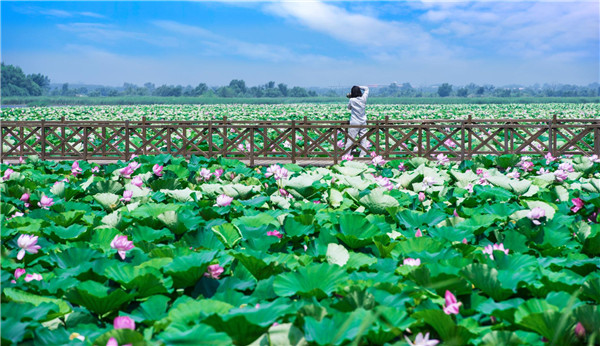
(296, 139)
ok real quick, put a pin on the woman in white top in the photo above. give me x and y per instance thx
(358, 101)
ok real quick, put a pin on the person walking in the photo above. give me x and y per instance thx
(357, 104)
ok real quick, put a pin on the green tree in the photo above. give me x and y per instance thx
(298, 92)
(444, 90)
(462, 92)
(283, 89)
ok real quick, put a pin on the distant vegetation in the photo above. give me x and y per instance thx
(36, 90)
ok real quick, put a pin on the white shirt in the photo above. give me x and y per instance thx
(357, 105)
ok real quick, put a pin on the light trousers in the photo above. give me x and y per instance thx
(354, 133)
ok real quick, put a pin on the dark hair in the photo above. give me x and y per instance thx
(355, 92)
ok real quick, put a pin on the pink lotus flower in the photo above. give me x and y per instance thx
(214, 271)
(122, 245)
(277, 172)
(543, 171)
(495, 247)
(7, 173)
(578, 204)
(549, 158)
(275, 233)
(137, 181)
(25, 198)
(479, 171)
(205, 174)
(401, 167)
(412, 262)
(123, 322)
(561, 175)
(469, 187)
(126, 172)
(34, 276)
(526, 165)
(513, 175)
(157, 170)
(452, 306)
(442, 159)
(75, 169)
(567, 167)
(378, 161)
(18, 273)
(449, 143)
(384, 182)
(16, 214)
(579, 330)
(340, 143)
(127, 194)
(535, 214)
(21, 160)
(27, 243)
(594, 158)
(218, 173)
(223, 201)
(284, 193)
(421, 340)
(95, 169)
(244, 147)
(464, 241)
(421, 196)
(347, 157)
(429, 181)
(418, 233)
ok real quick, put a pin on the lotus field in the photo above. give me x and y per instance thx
(161, 251)
(299, 111)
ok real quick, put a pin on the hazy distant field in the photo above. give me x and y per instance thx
(149, 100)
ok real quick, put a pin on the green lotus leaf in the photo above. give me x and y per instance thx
(187, 270)
(200, 334)
(153, 309)
(13, 330)
(19, 296)
(302, 184)
(377, 201)
(416, 219)
(146, 281)
(547, 320)
(105, 186)
(317, 280)
(355, 230)
(336, 330)
(260, 265)
(335, 198)
(184, 195)
(229, 234)
(66, 233)
(108, 201)
(123, 336)
(486, 279)
(337, 254)
(98, 298)
(153, 210)
(444, 325)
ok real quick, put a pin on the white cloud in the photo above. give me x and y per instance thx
(36, 10)
(108, 34)
(218, 45)
(376, 37)
(524, 29)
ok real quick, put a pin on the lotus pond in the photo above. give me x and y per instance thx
(160, 251)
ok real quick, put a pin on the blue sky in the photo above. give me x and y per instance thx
(314, 43)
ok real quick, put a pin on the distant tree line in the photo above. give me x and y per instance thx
(16, 83)
(474, 90)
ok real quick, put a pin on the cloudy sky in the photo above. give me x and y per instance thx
(332, 43)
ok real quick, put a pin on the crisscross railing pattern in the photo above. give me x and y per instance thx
(292, 141)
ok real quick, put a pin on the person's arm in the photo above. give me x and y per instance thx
(365, 92)
(349, 106)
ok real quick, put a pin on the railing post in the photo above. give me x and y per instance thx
(43, 138)
(252, 146)
(22, 141)
(506, 132)
(420, 140)
(470, 137)
(377, 149)
(553, 135)
(210, 139)
(294, 143)
(169, 134)
(462, 140)
(386, 135)
(127, 139)
(335, 146)
(597, 138)
(225, 138)
(63, 135)
(86, 138)
(306, 138)
(144, 134)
